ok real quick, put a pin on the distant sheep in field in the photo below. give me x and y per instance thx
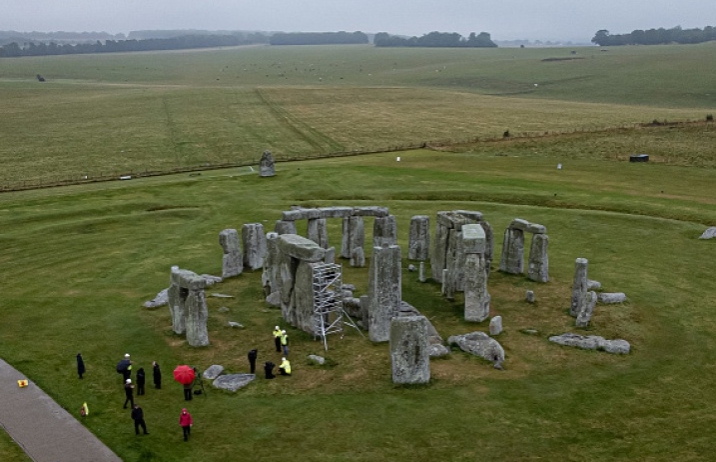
(40, 78)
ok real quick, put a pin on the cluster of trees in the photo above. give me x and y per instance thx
(318, 38)
(435, 39)
(9, 36)
(111, 46)
(659, 36)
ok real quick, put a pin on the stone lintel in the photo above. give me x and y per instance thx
(473, 239)
(301, 248)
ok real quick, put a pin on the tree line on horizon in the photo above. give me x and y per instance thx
(659, 36)
(435, 39)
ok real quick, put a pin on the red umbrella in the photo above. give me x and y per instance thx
(184, 374)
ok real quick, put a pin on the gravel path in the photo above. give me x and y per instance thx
(42, 428)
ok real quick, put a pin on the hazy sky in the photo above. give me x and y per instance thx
(575, 20)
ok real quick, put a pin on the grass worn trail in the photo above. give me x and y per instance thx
(84, 258)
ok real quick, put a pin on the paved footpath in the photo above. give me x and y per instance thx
(42, 428)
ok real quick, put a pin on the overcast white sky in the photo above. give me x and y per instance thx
(575, 20)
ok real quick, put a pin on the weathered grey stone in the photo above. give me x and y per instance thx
(477, 297)
(317, 231)
(496, 325)
(353, 239)
(412, 268)
(385, 231)
(406, 309)
(530, 296)
(303, 300)
(330, 256)
(176, 307)
(371, 211)
(479, 344)
(232, 262)
(236, 324)
(439, 256)
(437, 350)
(233, 382)
(710, 233)
(409, 354)
(293, 215)
(419, 239)
(266, 165)
(473, 239)
(197, 314)
(444, 219)
(471, 215)
(538, 263)
(223, 309)
(187, 306)
(210, 280)
(520, 224)
(534, 228)
(489, 244)
(335, 212)
(592, 342)
(270, 268)
(254, 245)
(212, 372)
(300, 248)
(285, 227)
(218, 295)
(612, 297)
(421, 272)
(513, 248)
(579, 286)
(274, 299)
(320, 360)
(593, 285)
(384, 291)
(585, 314)
(161, 299)
(357, 257)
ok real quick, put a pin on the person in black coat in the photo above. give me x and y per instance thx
(253, 354)
(141, 379)
(138, 417)
(268, 369)
(157, 375)
(128, 393)
(80, 365)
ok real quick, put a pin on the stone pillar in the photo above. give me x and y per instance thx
(270, 268)
(233, 260)
(496, 325)
(254, 245)
(584, 316)
(285, 227)
(538, 265)
(353, 240)
(477, 298)
(440, 249)
(513, 248)
(384, 291)
(579, 287)
(419, 239)
(489, 245)
(266, 165)
(409, 352)
(176, 308)
(197, 312)
(385, 231)
(317, 231)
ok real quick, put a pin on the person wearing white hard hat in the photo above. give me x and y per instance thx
(285, 367)
(129, 393)
(284, 342)
(277, 338)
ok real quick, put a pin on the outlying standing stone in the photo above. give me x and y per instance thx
(409, 353)
(480, 344)
(266, 165)
(233, 261)
(592, 342)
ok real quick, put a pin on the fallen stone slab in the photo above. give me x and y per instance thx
(320, 360)
(479, 344)
(161, 299)
(221, 295)
(709, 233)
(438, 350)
(236, 324)
(593, 285)
(611, 297)
(212, 372)
(233, 382)
(211, 279)
(592, 342)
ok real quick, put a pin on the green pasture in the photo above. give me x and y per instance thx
(109, 115)
(77, 262)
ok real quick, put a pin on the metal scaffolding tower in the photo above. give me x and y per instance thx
(328, 313)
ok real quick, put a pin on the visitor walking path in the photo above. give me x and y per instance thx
(46, 431)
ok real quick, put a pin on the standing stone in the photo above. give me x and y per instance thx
(254, 245)
(317, 231)
(385, 231)
(303, 302)
(353, 240)
(419, 239)
(513, 248)
(233, 261)
(266, 165)
(530, 296)
(421, 272)
(496, 325)
(477, 299)
(285, 227)
(489, 244)
(538, 266)
(189, 306)
(409, 352)
(270, 268)
(585, 315)
(440, 249)
(176, 307)
(384, 291)
(579, 287)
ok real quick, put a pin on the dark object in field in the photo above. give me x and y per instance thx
(40, 78)
(709, 118)
(639, 158)
(506, 134)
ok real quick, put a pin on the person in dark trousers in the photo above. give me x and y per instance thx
(186, 423)
(268, 369)
(285, 367)
(187, 391)
(284, 342)
(80, 365)
(138, 417)
(141, 379)
(157, 375)
(253, 354)
(277, 338)
(129, 393)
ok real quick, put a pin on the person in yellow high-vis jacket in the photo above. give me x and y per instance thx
(284, 342)
(277, 338)
(285, 367)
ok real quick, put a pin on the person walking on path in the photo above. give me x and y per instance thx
(138, 417)
(277, 338)
(253, 354)
(129, 393)
(284, 342)
(141, 380)
(157, 375)
(186, 423)
(285, 367)
(80, 365)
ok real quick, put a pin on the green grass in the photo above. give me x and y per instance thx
(78, 262)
